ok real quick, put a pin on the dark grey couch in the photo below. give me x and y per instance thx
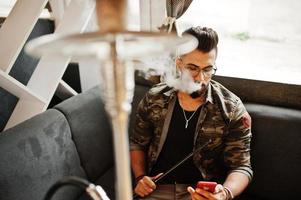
(74, 138)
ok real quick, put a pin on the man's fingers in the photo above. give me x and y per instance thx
(194, 195)
(220, 192)
(149, 182)
(203, 193)
(191, 192)
(218, 188)
(141, 191)
(146, 186)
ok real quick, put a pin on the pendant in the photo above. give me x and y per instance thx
(186, 125)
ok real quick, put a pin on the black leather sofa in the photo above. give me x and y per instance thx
(74, 138)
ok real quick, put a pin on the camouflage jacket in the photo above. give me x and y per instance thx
(223, 119)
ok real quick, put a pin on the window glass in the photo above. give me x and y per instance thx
(133, 15)
(259, 39)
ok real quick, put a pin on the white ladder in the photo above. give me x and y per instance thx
(36, 95)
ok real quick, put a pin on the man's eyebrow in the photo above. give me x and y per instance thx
(199, 66)
(193, 65)
(208, 66)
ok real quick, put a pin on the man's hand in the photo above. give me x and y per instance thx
(146, 185)
(200, 194)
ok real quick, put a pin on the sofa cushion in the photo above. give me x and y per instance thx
(91, 132)
(276, 152)
(34, 155)
(263, 92)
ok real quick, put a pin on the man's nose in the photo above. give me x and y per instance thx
(200, 77)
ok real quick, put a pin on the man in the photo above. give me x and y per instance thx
(172, 123)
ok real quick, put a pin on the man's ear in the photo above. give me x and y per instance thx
(178, 62)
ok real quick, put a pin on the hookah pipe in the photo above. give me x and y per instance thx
(95, 192)
(135, 196)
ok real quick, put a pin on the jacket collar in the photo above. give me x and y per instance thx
(209, 97)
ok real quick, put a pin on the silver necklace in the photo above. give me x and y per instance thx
(187, 120)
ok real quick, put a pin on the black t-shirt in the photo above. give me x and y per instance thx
(178, 144)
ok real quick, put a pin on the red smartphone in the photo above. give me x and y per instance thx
(207, 185)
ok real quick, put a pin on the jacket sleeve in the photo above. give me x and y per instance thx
(237, 141)
(142, 130)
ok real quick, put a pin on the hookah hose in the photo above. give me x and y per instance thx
(135, 196)
(95, 192)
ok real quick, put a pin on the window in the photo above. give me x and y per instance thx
(259, 39)
(133, 15)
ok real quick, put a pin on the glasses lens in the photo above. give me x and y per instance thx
(208, 72)
(195, 71)
(214, 71)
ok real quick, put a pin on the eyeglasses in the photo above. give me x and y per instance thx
(207, 72)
